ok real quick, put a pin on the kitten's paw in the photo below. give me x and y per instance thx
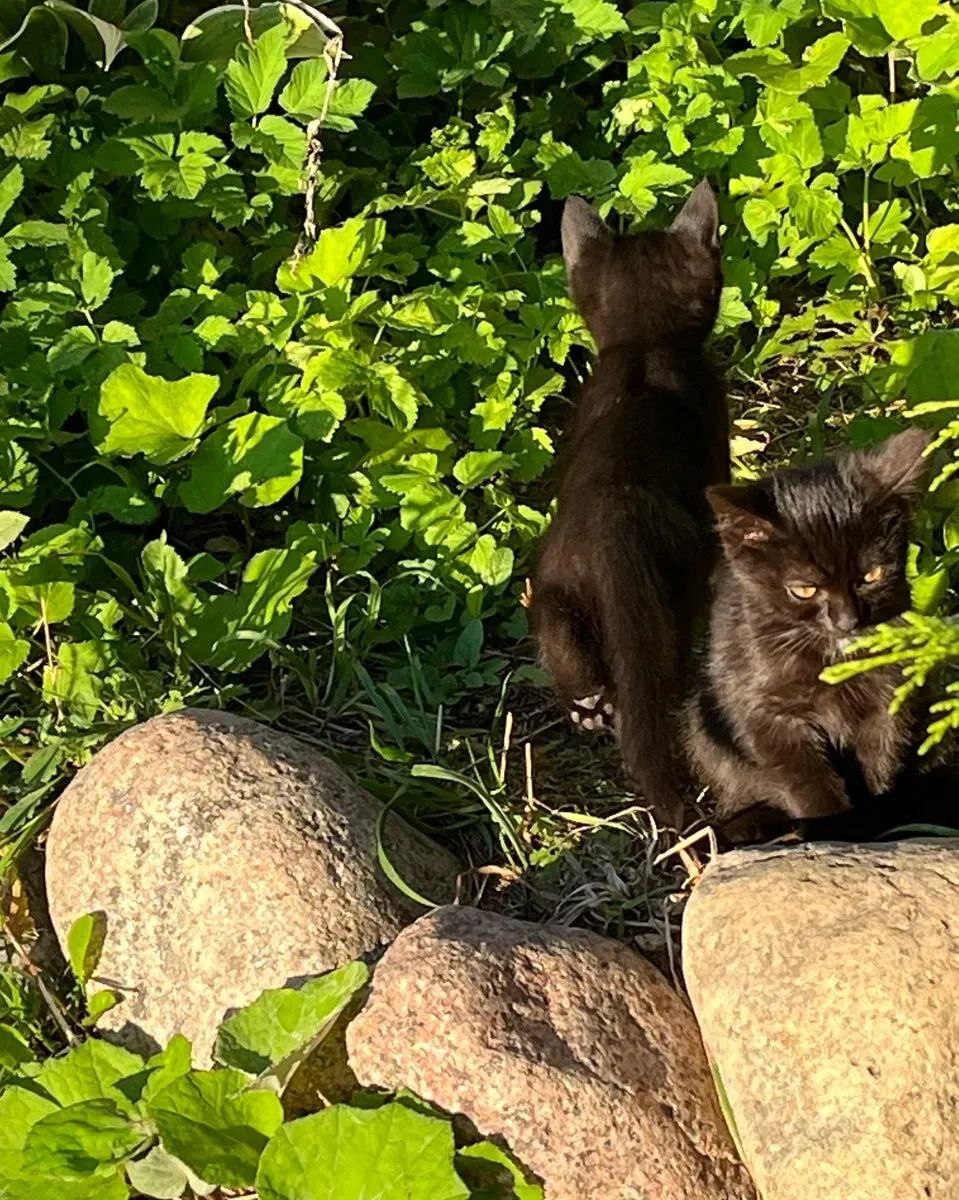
(592, 713)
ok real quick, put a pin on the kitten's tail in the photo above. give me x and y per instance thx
(647, 645)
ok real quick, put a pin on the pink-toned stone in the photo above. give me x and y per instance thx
(570, 1047)
(826, 982)
(228, 858)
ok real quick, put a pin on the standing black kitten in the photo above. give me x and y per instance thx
(622, 570)
(812, 556)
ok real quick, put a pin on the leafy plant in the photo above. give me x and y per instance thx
(284, 341)
(101, 1121)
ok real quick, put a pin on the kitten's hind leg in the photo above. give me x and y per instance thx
(570, 652)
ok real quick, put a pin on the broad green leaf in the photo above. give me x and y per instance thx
(12, 524)
(172, 1062)
(255, 71)
(152, 416)
(87, 1138)
(37, 233)
(594, 18)
(341, 252)
(14, 652)
(817, 211)
(158, 1175)
(305, 93)
(165, 573)
(99, 1004)
(125, 504)
(32, 1187)
(96, 279)
(11, 184)
(21, 1107)
(255, 457)
(232, 631)
(73, 680)
(390, 1152)
(477, 465)
(14, 1048)
(489, 1152)
(284, 1019)
(215, 1126)
(938, 53)
(90, 1071)
(85, 939)
(926, 368)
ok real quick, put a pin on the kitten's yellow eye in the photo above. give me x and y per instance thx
(873, 576)
(802, 591)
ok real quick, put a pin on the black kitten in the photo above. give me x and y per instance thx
(622, 570)
(813, 556)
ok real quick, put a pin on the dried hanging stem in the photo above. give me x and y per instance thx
(332, 55)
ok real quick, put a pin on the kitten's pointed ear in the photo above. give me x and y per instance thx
(583, 229)
(699, 217)
(743, 516)
(899, 466)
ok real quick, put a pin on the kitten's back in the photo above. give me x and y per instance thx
(621, 573)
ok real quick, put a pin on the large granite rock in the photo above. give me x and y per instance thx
(228, 858)
(571, 1047)
(826, 983)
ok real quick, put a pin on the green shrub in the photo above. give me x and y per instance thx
(212, 425)
(102, 1123)
(292, 454)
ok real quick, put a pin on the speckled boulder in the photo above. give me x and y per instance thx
(228, 858)
(826, 982)
(571, 1047)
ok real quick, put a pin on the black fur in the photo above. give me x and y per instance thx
(765, 729)
(622, 572)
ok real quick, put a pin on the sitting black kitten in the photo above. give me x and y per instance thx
(622, 572)
(812, 556)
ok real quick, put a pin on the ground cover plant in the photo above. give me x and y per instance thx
(284, 345)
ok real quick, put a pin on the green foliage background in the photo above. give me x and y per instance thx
(237, 468)
(302, 475)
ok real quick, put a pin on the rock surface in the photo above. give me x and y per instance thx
(228, 858)
(826, 982)
(571, 1047)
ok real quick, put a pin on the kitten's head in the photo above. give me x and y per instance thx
(647, 287)
(823, 548)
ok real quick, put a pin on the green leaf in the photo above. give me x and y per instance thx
(152, 416)
(233, 631)
(11, 185)
(73, 681)
(14, 652)
(255, 71)
(926, 368)
(488, 1152)
(158, 1175)
(215, 1126)
(96, 279)
(477, 465)
(12, 524)
(594, 19)
(282, 1020)
(391, 1152)
(305, 93)
(99, 1004)
(85, 940)
(256, 457)
(14, 1049)
(87, 1138)
(340, 253)
(90, 1071)
(817, 211)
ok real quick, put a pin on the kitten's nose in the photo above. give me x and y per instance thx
(843, 618)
